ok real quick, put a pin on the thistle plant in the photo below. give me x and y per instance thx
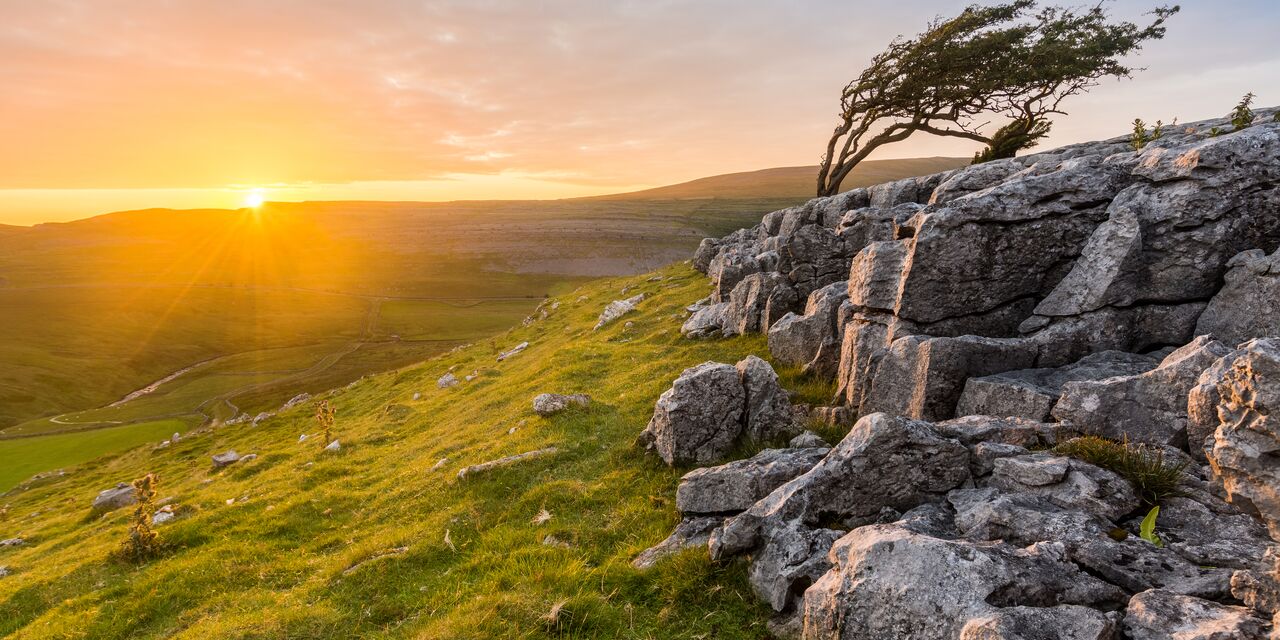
(325, 412)
(143, 542)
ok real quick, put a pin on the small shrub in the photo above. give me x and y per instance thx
(325, 412)
(1154, 478)
(1139, 138)
(143, 542)
(1215, 132)
(1242, 115)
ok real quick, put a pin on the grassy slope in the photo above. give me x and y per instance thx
(275, 563)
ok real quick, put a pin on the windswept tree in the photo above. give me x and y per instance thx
(1013, 61)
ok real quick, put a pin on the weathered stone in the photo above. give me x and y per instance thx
(707, 250)
(697, 420)
(505, 461)
(874, 276)
(1032, 393)
(689, 534)
(1150, 407)
(1084, 487)
(983, 456)
(883, 462)
(447, 380)
(1248, 305)
(767, 412)
(114, 498)
(224, 459)
(617, 309)
(922, 377)
(759, 301)
(808, 440)
(1246, 445)
(1158, 614)
(1035, 470)
(549, 404)
(1063, 622)
(734, 487)
(811, 341)
(888, 582)
(793, 557)
(706, 322)
(972, 430)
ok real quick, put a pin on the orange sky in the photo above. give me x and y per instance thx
(114, 104)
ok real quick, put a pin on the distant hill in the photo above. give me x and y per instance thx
(788, 182)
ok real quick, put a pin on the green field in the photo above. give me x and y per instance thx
(372, 542)
(25, 457)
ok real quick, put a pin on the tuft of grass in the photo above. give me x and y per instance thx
(1154, 478)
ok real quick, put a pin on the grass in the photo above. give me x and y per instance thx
(370, 542)
(1154, 478)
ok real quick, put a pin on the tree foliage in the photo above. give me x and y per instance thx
(1011, 60)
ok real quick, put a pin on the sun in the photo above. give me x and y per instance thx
(254, 199)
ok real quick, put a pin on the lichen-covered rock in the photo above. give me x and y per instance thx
(1032, 393)
(889, 582)
(1158, 614)
(734, 487)
(1082, 487)
(1150, 407)
(690, 533)
(793, 557)
(697, 420)
(810, 341)
(758, 302)
(1062, 622)
(226, 458)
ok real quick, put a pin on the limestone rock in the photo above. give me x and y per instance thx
(1150, 407)
(767, 412)
(690, 533)
(734, 487)
(447, 380)
(114, 498)
(1248, 305)
(617, 309)
(1032, 393)
(883, 462)
(549, 404)
(225, 459)
(1158, 614)
(1246, 444)
(1083, 487)
(706, 322)
(888, 582)
(697, 420)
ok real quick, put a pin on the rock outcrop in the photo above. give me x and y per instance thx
(976, 319)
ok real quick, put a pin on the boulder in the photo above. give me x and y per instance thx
(734, 487)
(1246, 444)
(1021, 432)
(758, 302)
(1063, 622)
(810, 341)
(889, 582)
(617, 309)
(883, 462)
(1150, 407)
(793, 557)
(1032, 393)
(1248, 305)
(549, 404)
(767, 411)
(706, 322)
(697, 420)
(1158, 614)
(114, 498)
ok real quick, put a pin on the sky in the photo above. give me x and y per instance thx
(112, 104)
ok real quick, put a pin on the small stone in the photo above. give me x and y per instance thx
(111, 499)
(807, 440)
(249, 458)
(447, 380)
(417, 396)
(12, 542)
(333, 446)
(439, 464)
(224, 459)
(513, 351)
(302, 438)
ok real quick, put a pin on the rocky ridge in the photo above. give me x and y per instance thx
(975, 319)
